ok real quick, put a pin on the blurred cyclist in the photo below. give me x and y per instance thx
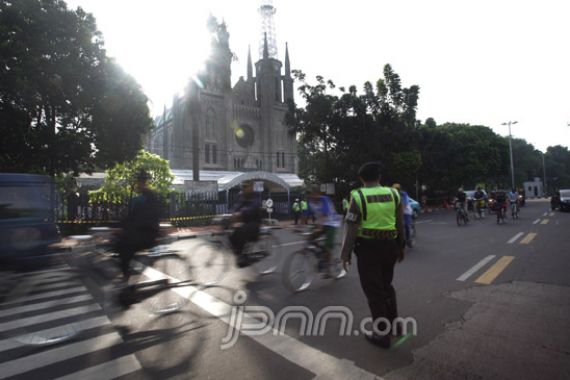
(248, 215)
(327, 221)
(140, 229)
(408, 212)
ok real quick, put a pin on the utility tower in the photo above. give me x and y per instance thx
(266, 12)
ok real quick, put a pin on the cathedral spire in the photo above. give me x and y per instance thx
(287, 63)
(249, 64)
(265, 48)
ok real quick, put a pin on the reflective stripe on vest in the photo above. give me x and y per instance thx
(380, 209)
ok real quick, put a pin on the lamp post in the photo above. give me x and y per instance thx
(511, 152)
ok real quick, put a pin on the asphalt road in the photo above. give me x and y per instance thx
(490, 302)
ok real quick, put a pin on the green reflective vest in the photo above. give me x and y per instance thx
(296, 207)
(378, 211)
(304, 205)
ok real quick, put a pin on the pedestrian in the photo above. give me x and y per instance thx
(375, 230)
(296, 210)
(305, 211)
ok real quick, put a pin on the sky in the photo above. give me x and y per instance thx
(480, 62)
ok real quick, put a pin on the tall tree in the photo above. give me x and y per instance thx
(64, 105)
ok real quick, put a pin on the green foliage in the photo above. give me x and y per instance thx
(557, 163)
(351, 128)
(64, 105)
(120, 180)
(339, 129)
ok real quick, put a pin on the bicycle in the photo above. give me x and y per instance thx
(461, 215)
(153, 272)
(301, 266)
(480, 207)
(501, 212)
(411, 234)
(514, 210)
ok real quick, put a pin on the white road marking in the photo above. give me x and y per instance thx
(45, 305)
(31, 339)
(293, 243)
(545, 214)
(551, 214)
(318, 362)
(59, 354)
(109, 370)
(536, 221)
(515, 238)
(27, 322)
(423, 221)
(475, 268)
(45, 295)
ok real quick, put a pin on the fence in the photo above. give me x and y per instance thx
(76, 212)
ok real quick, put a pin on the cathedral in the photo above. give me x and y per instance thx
(237, 128)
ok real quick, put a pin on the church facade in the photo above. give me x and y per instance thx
(237, 128)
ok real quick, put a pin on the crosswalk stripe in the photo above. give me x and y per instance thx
(545, 214)
(40, 296)
(528, 238)
(48, 317)
(536, 221)
(108, 370)
(56, 355)
(493, 272)
(44, 305)
(32, 338)
(545, 221)
(551, 214)
(515, 238)
(50, 286)
(475, 268)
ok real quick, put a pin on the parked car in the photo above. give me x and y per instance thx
(564, 200)
(415, 205)
(27, 222)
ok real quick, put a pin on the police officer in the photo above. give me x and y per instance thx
(375, 230)
(296, 210)
(305, 211)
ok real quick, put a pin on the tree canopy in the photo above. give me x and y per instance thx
(64, 105)
(339, 129)
(120, 180)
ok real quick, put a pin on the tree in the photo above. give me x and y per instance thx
(339, 129)
(64, 105)
(557, 164)
(120, 180)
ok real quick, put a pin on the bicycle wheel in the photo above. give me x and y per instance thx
(266, 253)
(411, 242)
(43, 307)
(298, 271)
(209, 262)
(158, 282)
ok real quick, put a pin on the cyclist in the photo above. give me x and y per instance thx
(461, 201)
(513, 198)
(327, 221)
(479, 197)
(140, 229)
(248, 215)
(501, 204)
(408, 212)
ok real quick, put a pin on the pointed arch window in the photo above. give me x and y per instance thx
(210, 124)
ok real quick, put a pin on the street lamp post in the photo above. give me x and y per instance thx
(511, 152)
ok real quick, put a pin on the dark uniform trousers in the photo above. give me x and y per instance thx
(376, 261)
